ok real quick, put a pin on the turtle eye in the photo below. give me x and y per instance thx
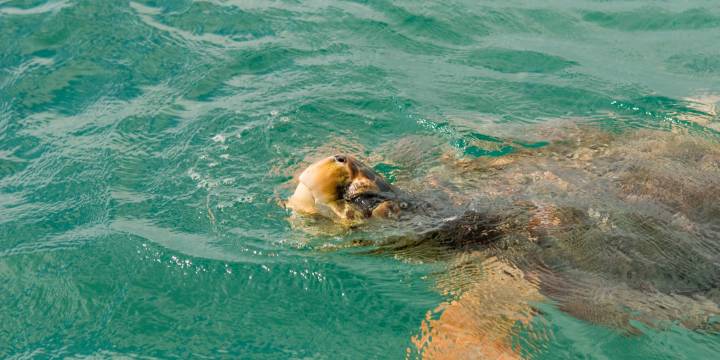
(340, 158)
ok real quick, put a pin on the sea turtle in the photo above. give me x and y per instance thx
(610, 227)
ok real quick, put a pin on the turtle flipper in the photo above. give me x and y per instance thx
(481, 323)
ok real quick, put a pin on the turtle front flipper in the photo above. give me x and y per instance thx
(481, 323)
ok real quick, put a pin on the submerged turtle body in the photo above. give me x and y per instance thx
(610, 228)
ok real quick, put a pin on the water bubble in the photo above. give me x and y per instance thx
(245, 199)
(193, 175)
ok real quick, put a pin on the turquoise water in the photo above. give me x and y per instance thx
(145, 146)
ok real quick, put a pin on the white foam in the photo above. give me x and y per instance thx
(41, 9)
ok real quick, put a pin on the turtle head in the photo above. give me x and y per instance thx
(340, 187)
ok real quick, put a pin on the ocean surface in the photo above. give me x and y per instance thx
(146, 148)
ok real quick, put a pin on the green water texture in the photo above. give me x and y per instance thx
(144, 146)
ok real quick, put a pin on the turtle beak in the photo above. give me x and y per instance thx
(324, 179)
(322, 183)
(302, 200)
